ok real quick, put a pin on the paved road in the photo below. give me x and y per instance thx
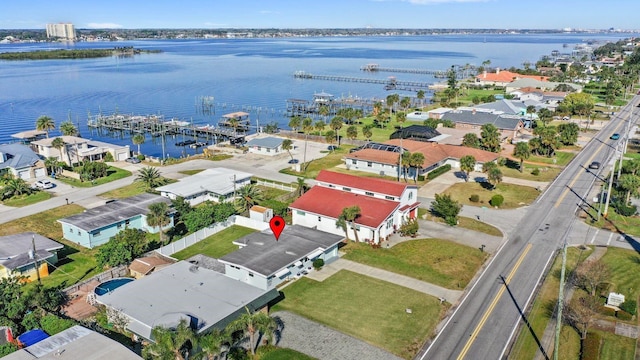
(482, 326)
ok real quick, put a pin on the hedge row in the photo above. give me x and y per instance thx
(591, 347)
(439, 171)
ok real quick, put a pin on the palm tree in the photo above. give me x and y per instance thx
(294, 123)
(545, 115)
(377, 108)
(59, 144)
(420, 95)
(467, 165)
(51, 163)
(324, 111)
(522, 152)
(352, 132)
(349, 215)
(405, 102)
(234, 123)
(252, 324)
(15, 187)
(307, 126)
(319, 126)
(210, 344)
(366, 131)
(68, 129)
(531, 110)
(336, 124)
(287, 145)
(301, 187)
(405, 163)
(138, 139)
(45, 123)
(417, 162)
(630, 183)
(330, 137)
(158, 216)
(400, 118)
(171, 344)
(494, 175)
(247, 197)
(150, 176)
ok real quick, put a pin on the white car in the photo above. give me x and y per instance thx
(44, 184)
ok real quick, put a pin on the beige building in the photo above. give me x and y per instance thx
(77, 149)
(61, 30)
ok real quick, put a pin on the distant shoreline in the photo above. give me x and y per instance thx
(73, 54)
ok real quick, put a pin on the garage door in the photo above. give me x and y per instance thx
(122, 156)
(41, 172)
(24, 174)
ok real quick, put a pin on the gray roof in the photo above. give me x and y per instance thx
(76, 342)
(217, 180)
(268, 142)
(264, 255)
(528, 82)
(14, 249)
(29, 134)
(18, 156)
(183, 290)
(114, 212)
(509, 107)
(480, 118)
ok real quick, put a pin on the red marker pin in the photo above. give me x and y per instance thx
(277, 225)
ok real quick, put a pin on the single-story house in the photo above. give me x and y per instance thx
(435, 155)
(205, 298)
(20, 161)
(509, 125)
(384, 205)
(77, 149)
(146, 265)
(269, 145)
(264, 262)
(504, 77)
(26, 137)
(437, 113)
(17, 256)
(76, 342)
(96, 226)
(217, 184)
(534, 83)
(415, 132)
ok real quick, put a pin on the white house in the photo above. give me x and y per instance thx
(384, 205)
(264, 262)
(209, 185)
(265, 145)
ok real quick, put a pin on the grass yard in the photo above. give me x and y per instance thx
(271, 193)
(514, 195)
(369, 309)
(562, 158)
(628, 224)
(76, 263)
(624, 266)
(541, 310)
(24, 200)
(314, 166)
(615, 347)
(436, 261)
(465, 222)
(546, 174)
(191, 172)
(113, 173)
(216, 245)
(133, 189)
(273, 353)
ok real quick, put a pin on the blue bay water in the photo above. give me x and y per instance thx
(254, 75)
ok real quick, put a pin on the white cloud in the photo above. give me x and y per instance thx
(103, 26)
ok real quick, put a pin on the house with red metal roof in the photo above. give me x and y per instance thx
(504, 77)
(384, 205)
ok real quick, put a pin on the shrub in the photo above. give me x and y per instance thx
(318, 264)
(535, 172)
(52, 324)
(501, 161)
(607, 311)
(420, 177)
(496, 200)
(108, 157)
(140, 157)
(409, 228)
(629, 306)
(621, 208)
(623, 315)
(591, 347)
(474, 198)
(439, 171)
(7, 348)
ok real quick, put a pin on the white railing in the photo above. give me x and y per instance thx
(275, 185)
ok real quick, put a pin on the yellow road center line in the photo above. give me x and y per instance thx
(493, 304)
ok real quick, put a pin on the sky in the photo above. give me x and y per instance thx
(418, 14)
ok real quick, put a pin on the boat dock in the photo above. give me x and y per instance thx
(376, 67)
(390, 83)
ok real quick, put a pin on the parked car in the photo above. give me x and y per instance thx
(332, 147)
(133, 160)
(294, 161)
(615, 136)
(44, 184)
(594, 165)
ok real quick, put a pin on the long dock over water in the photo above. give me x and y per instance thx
(376, 67)
(390, 83)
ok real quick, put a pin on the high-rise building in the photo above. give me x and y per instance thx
(66, 31)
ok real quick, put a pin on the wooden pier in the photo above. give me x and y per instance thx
(390, 83)
(462, 72)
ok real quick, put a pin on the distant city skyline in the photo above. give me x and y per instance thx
(415, 14)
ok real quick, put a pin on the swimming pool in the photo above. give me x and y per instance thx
(111, 285)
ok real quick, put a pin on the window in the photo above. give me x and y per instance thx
(368, 193)
(250, 274)
(346, 189)
(389, 198)
(410, 195)
(354, 161)
(331, 186)
(369, 164)
(268, 150)
(319, 218)
(300, 212)
(97, 233)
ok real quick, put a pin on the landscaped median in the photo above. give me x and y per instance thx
(113, 173)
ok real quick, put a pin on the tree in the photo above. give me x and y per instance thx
(549, 140)
(420, 95)
(630, 183)
(247, 196)
(307, 126)
(405, 102)
(252, 324)
(568, 133)
(632, 167)
(471, 140)
(349, 215)
(68, 129)
(545, 115)
(392, 99)
(366, 132)
(52, 164)
(522, 152)
(579, 103)
(490, 138)
(319, 126)
(113, 253)
(158, 216)
(336, 124)
(467, 165)
(417, 162)
(494, 176)
(15, 187)
(138, 140)
(447, 208)
(530, 111)
(59, 144)
(171, 344)
(324, 112)
(45, 123)
(582, 313)
(352, 132)
(150, 176)
(330, 137)
(234, 122)
(405, 164)
(287, 145)
(211, 343)
(591, 274)
(401, 117)
(301, 187)
(294, 122)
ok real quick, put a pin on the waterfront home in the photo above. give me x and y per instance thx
(504, 77)
(205, 298)
(26, 137)
(542, 85)
(473, 118)
(96, 226)
(20, 161)
(17, 257)
(217, 184)
(265, 145)
(77, 149)
(264, 262)
(384, 205)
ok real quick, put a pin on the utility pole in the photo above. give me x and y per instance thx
(560, 301)
(35, 257)
(624, 142)
(606, 204)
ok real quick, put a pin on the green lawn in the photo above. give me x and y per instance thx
(271, 193)
(615, 347)
(562, 158)
(514, 195)
(191, 172)
(545, 174)
(133, 189)
(624, 266)
(76, 263)
(24, 200)
(273, 353)
(476, 225)
(370, 309)
(628, 224)
(216, 245)
(539, 315)
(435, 261)
(314, 166)
(113, 173)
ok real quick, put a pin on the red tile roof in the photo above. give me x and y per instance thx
(363, 183)
(330, 202)
(508, 76)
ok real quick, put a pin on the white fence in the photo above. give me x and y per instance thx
(275, 185)
(201, 234)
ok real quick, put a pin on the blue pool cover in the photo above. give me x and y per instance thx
(32, 337)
